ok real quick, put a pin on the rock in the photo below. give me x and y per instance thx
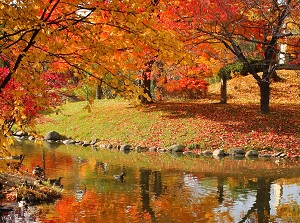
(53, 136)
(78, 142)
(236, 152)
(140, 149)
(31, 138)
(283, 155)
(94, 141)
(219, 152)
(161, 150)
(20, 133)
(86, 143)
(125, 147)
(69, 141)
(102, 146)
(152, 149)
(207, 153)
(251, 153)
(176, 148)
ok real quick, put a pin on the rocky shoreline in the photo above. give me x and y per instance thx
(55, 138)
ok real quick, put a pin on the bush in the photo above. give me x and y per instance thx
(189, 88)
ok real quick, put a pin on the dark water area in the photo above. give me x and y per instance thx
(159, 193)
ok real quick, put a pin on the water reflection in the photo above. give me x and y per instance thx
(156, 194)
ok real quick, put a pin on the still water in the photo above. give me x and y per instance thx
(159, 188)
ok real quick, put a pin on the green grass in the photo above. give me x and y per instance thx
(114, 120)
(202, 122)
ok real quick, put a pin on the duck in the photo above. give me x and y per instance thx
(23, 203)
(119, 177)
(38, 171)
(56, 182)
(21, 157)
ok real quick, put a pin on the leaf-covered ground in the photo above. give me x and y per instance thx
(204, 122)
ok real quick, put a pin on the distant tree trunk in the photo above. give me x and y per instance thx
(264, 86)
(99, 92)
(223, 89)
(146, 83)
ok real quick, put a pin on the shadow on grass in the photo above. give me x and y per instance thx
(283, 119)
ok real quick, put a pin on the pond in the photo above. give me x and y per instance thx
(158, 187)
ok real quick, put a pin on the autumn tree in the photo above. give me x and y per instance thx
(107, 41)
(235, 23)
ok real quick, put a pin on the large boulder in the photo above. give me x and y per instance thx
(236, 152)
(176, 148)
(219, 152)
(252, 153)
(53, 136)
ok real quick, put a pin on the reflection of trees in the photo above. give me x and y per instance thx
(160, 197)
(262, 202)
(145, 189)
(220, 188)
(157, 183)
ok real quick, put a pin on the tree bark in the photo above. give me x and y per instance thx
(264, 96)
(223, 89)
(99, 92)
(146, 83)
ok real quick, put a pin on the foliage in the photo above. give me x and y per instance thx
(21, 102)
(239, 68)
(189, 88)
(231, 69)
(90, 39)
(245, 28)
(212, 125)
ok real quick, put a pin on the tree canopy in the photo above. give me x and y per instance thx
(114, 41)
(97, 40)
(247, 29)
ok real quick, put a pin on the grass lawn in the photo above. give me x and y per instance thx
(203, 122)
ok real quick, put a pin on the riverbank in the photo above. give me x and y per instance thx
(202, 124)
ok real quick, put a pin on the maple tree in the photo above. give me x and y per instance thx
(236, 23)
(107, 42)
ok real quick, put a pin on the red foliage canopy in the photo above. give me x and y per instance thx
(16, 95)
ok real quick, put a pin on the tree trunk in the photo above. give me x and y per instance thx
(99, 92)
(264, 96)
(146, 84)
(223, 89)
